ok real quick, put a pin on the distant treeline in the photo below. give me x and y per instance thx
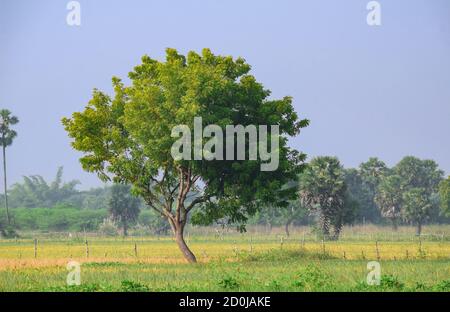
(411, 192)
(70, 219)
(35, 192)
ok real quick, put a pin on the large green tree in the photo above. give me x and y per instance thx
(371, 173)
(389, 198)
(124, 207)
(323, 191)
(7, 136)
(127, 138)
(419, 182)
(444, 194)
(417, 206)
(418, 173)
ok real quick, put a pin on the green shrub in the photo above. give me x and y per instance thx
(312, 278)
(229, 282)
(442, 286)
(131, 286)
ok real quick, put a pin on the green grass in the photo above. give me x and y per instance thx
(295, 275)
(234, 262)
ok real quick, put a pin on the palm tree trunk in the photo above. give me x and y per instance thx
(324, 225)
(6, 187)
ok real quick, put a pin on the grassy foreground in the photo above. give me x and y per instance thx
(233, 262)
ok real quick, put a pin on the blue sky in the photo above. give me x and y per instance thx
(369, 91)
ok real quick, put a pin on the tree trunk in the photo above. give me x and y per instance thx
(286, 228)
(394, 224)
(125, 228)
(269, 224)
(6, 187)
(337, 231)
(325, 226)
(419, 228)
(179, 236)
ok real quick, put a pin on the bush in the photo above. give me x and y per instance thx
(108, 227)
(131, 286)
(442, 286)
(155, 223)
(312, 278)
(228, 282)
(8, 231)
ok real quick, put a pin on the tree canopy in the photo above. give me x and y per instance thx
(124, 208)
(127, 138)
(444, 194)
(323, 191)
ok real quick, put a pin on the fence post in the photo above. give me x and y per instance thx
(87, 248)
(378, 251)
(135, 250)
(281, 242)
(420, 245)
(35, 248)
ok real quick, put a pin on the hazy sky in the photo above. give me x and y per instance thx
(368, 90)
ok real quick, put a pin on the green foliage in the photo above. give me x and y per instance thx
(124, 207)
(131, 286)
(108, 227)
(127, 138)
(36, 192)
(389, 198)
(323, 191)
(7, 135)
(89, 287)
(155, 223)
(7, 231)
(313, 278)
(388, 282)
(443, 285)
(229, 282)
(417, 205)
(408, 191)
(391, 282)
(444, 194)
(284, 256)
(417, 173)
(57, 219)
(363, 183)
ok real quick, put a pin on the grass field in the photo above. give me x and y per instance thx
(254, 261)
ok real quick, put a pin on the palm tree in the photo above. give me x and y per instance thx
(7, 136)
(389, 198)
(322, 192)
